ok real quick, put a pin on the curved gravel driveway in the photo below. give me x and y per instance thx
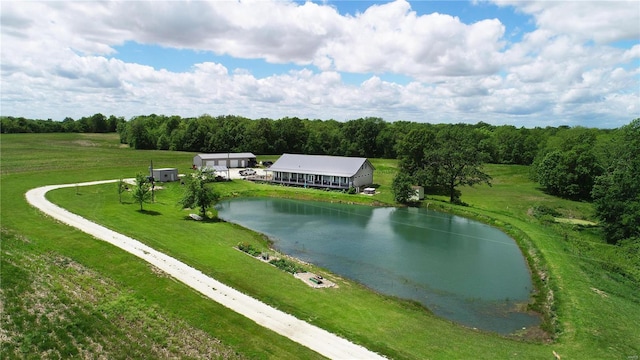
(313, 337)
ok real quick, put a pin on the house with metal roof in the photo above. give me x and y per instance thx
(322, 171)
(230, 160)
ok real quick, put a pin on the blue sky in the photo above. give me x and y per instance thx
(524, 63)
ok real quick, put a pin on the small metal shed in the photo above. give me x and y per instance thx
(165, 174)
(418, 193)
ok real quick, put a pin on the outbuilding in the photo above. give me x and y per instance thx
(322, 171)
(165, 174)
(230, 160)
(418, 193)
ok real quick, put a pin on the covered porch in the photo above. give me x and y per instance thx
(311, 180)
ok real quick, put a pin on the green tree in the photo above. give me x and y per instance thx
(195, 134)
(69, 125)
(122, 187)
(616, 193)
(570, 174)
(360, 137)
(142, 191)
(325, 137)
(454, 159)
(139, 135)
(411, 149)
(290, 134)
(402, 187)
(260, 136)
(197, 194)
(98, 123)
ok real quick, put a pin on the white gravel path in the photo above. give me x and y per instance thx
(313, 337)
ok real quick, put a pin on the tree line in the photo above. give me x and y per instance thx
(96, 123)
(366, 137)
(585, 164)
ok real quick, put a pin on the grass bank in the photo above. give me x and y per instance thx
(592, 324)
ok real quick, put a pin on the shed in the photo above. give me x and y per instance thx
(230, 160)
(418, 193)
(165, 174)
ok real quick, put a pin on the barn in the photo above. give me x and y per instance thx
(322, 171)
(230, 160)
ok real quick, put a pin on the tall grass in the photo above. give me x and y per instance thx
(55, 307)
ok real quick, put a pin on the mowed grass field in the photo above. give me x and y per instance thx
(65, 294)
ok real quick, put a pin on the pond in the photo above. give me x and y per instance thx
(458, 268)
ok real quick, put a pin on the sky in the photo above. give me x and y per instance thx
(516, 62)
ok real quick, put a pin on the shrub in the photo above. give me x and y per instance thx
(542, 210)
(401, 188)
(287, 265)
(249, 249)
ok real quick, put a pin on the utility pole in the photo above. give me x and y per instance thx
(153, 184)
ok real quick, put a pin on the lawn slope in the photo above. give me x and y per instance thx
(597, 309)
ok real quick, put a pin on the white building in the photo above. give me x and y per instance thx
(418, 193)
(322, 171)
(230, 160)
(165, 174)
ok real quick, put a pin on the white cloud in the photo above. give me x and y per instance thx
(602, 21)
(390, 38)
(58, 60)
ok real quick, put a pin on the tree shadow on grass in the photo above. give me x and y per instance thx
(149, 212)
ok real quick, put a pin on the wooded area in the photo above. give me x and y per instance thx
(586, 164)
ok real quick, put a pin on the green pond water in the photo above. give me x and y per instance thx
(460, 269)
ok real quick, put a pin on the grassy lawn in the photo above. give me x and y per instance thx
(597, 309)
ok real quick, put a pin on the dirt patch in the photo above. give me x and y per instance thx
(313, 280)
(599, 292)
(85, 143)
(575, 221)
(532, 334)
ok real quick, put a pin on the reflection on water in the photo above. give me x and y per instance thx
(460, 269)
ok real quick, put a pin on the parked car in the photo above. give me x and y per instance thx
(267, 163)
(247, 172)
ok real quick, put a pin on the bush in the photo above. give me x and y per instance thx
(287, 265)
(249, 249)
(402, 188)
(351, 190)
(542, 210)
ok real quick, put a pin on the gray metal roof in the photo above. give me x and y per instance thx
(166, 169)
(319, 164)
(222, 156)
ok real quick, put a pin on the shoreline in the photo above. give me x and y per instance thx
(541, 297)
